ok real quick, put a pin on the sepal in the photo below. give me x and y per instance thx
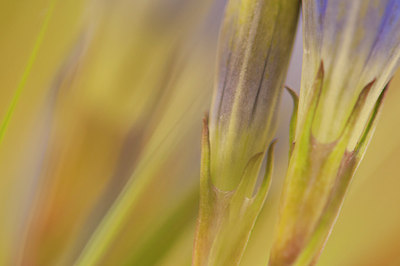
(226, 218)
(293, 120)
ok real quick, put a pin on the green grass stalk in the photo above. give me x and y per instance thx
(22, 83)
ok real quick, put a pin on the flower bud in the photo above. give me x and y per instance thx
(254, 52)
(352, 49)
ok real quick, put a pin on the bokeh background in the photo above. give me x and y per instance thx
(116, 96)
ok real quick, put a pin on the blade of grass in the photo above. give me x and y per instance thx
(167, 231)
(109, 227)
(22, 83)
(159, 149)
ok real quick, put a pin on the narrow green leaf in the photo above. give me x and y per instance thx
(22, 83)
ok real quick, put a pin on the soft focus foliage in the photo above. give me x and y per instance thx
(117, 92)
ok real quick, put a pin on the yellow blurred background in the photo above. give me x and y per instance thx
(117, 93)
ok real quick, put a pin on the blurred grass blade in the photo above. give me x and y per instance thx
(109, 226)
(167, 231)
(22, 83)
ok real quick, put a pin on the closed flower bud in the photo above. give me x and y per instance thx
(254, 51)
(352, 49)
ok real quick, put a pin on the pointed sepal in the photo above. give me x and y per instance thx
(293, 120)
